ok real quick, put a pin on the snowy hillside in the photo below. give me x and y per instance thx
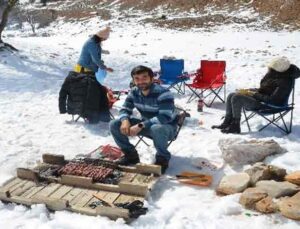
(31, 124)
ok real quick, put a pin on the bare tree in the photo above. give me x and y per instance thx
(29, 17)
(10, 4)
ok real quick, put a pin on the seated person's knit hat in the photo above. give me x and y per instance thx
(279, 64)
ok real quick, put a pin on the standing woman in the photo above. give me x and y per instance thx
(90, 57)
(90, 63)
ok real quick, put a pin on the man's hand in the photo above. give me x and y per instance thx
(134, 130)
(125, 127)
(109, 69)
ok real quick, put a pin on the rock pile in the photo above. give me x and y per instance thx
(266, 189)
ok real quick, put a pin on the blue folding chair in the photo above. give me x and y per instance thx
(171, 74)
(278, 113)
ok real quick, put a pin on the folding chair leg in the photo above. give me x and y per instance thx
(75, 119)
(111, 115)
(285, 126)
(246, 119)
(141, 140)
(194, 95)
(216, 96)
(274, 120)
(291, 120)
(224, 93)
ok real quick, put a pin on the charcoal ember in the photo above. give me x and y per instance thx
(50, 171)
(114, 177)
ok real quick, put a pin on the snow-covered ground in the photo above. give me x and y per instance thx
(31, 124)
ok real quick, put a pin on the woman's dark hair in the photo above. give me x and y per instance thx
(142, 69)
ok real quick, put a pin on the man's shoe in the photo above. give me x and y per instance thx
(163, 162)
(129, 158)
(234, 128)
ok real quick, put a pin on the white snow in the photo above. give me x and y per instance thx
(31, 124)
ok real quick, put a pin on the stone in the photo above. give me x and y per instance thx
(233, 184)
(277, 189)
(261, 171)
(237, 151)
(266, 205)
(251, 196)
(293, 178)
(290, 207)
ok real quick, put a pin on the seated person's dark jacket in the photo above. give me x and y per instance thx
(275, 87)
(82, 94)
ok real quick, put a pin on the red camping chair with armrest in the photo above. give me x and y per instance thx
(210, 78)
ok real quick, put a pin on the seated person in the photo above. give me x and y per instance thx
(275, 88)
(156, 106)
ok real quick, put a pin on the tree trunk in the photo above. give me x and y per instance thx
(7, 9)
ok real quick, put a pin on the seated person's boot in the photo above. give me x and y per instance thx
(129, 158)
(226, 123)
(233, 128)
(163, 162)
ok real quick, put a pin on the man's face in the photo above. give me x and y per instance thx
(143, 81)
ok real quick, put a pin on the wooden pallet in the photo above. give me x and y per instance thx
(138, 180)
(64, 197)
(75, 193)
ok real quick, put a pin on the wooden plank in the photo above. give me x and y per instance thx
(5, 189)
(101, 194)
(85, 182)
(83, 210)
(23, 188)
(139, 179)
(77, 198)
(51, 203)
(21, 200)
(32, 191)
(134, 189)
(88, 195)
(20, 184)
(128, 169)
(72, 194)
(48, 190)
(145, 168)
(11, 183)
(4, 194)
(59, 193)
(111, 197)
(56, 204)
(106, 187)
(128, 177)
(27, 174)
(127, 198)
(145, 180)
(54, 159)
(112, 213)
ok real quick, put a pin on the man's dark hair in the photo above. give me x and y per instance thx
(141, 69)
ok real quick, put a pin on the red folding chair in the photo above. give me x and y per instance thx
(113, 96)
(209, 78)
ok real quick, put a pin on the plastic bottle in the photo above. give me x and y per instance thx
(200, 105)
